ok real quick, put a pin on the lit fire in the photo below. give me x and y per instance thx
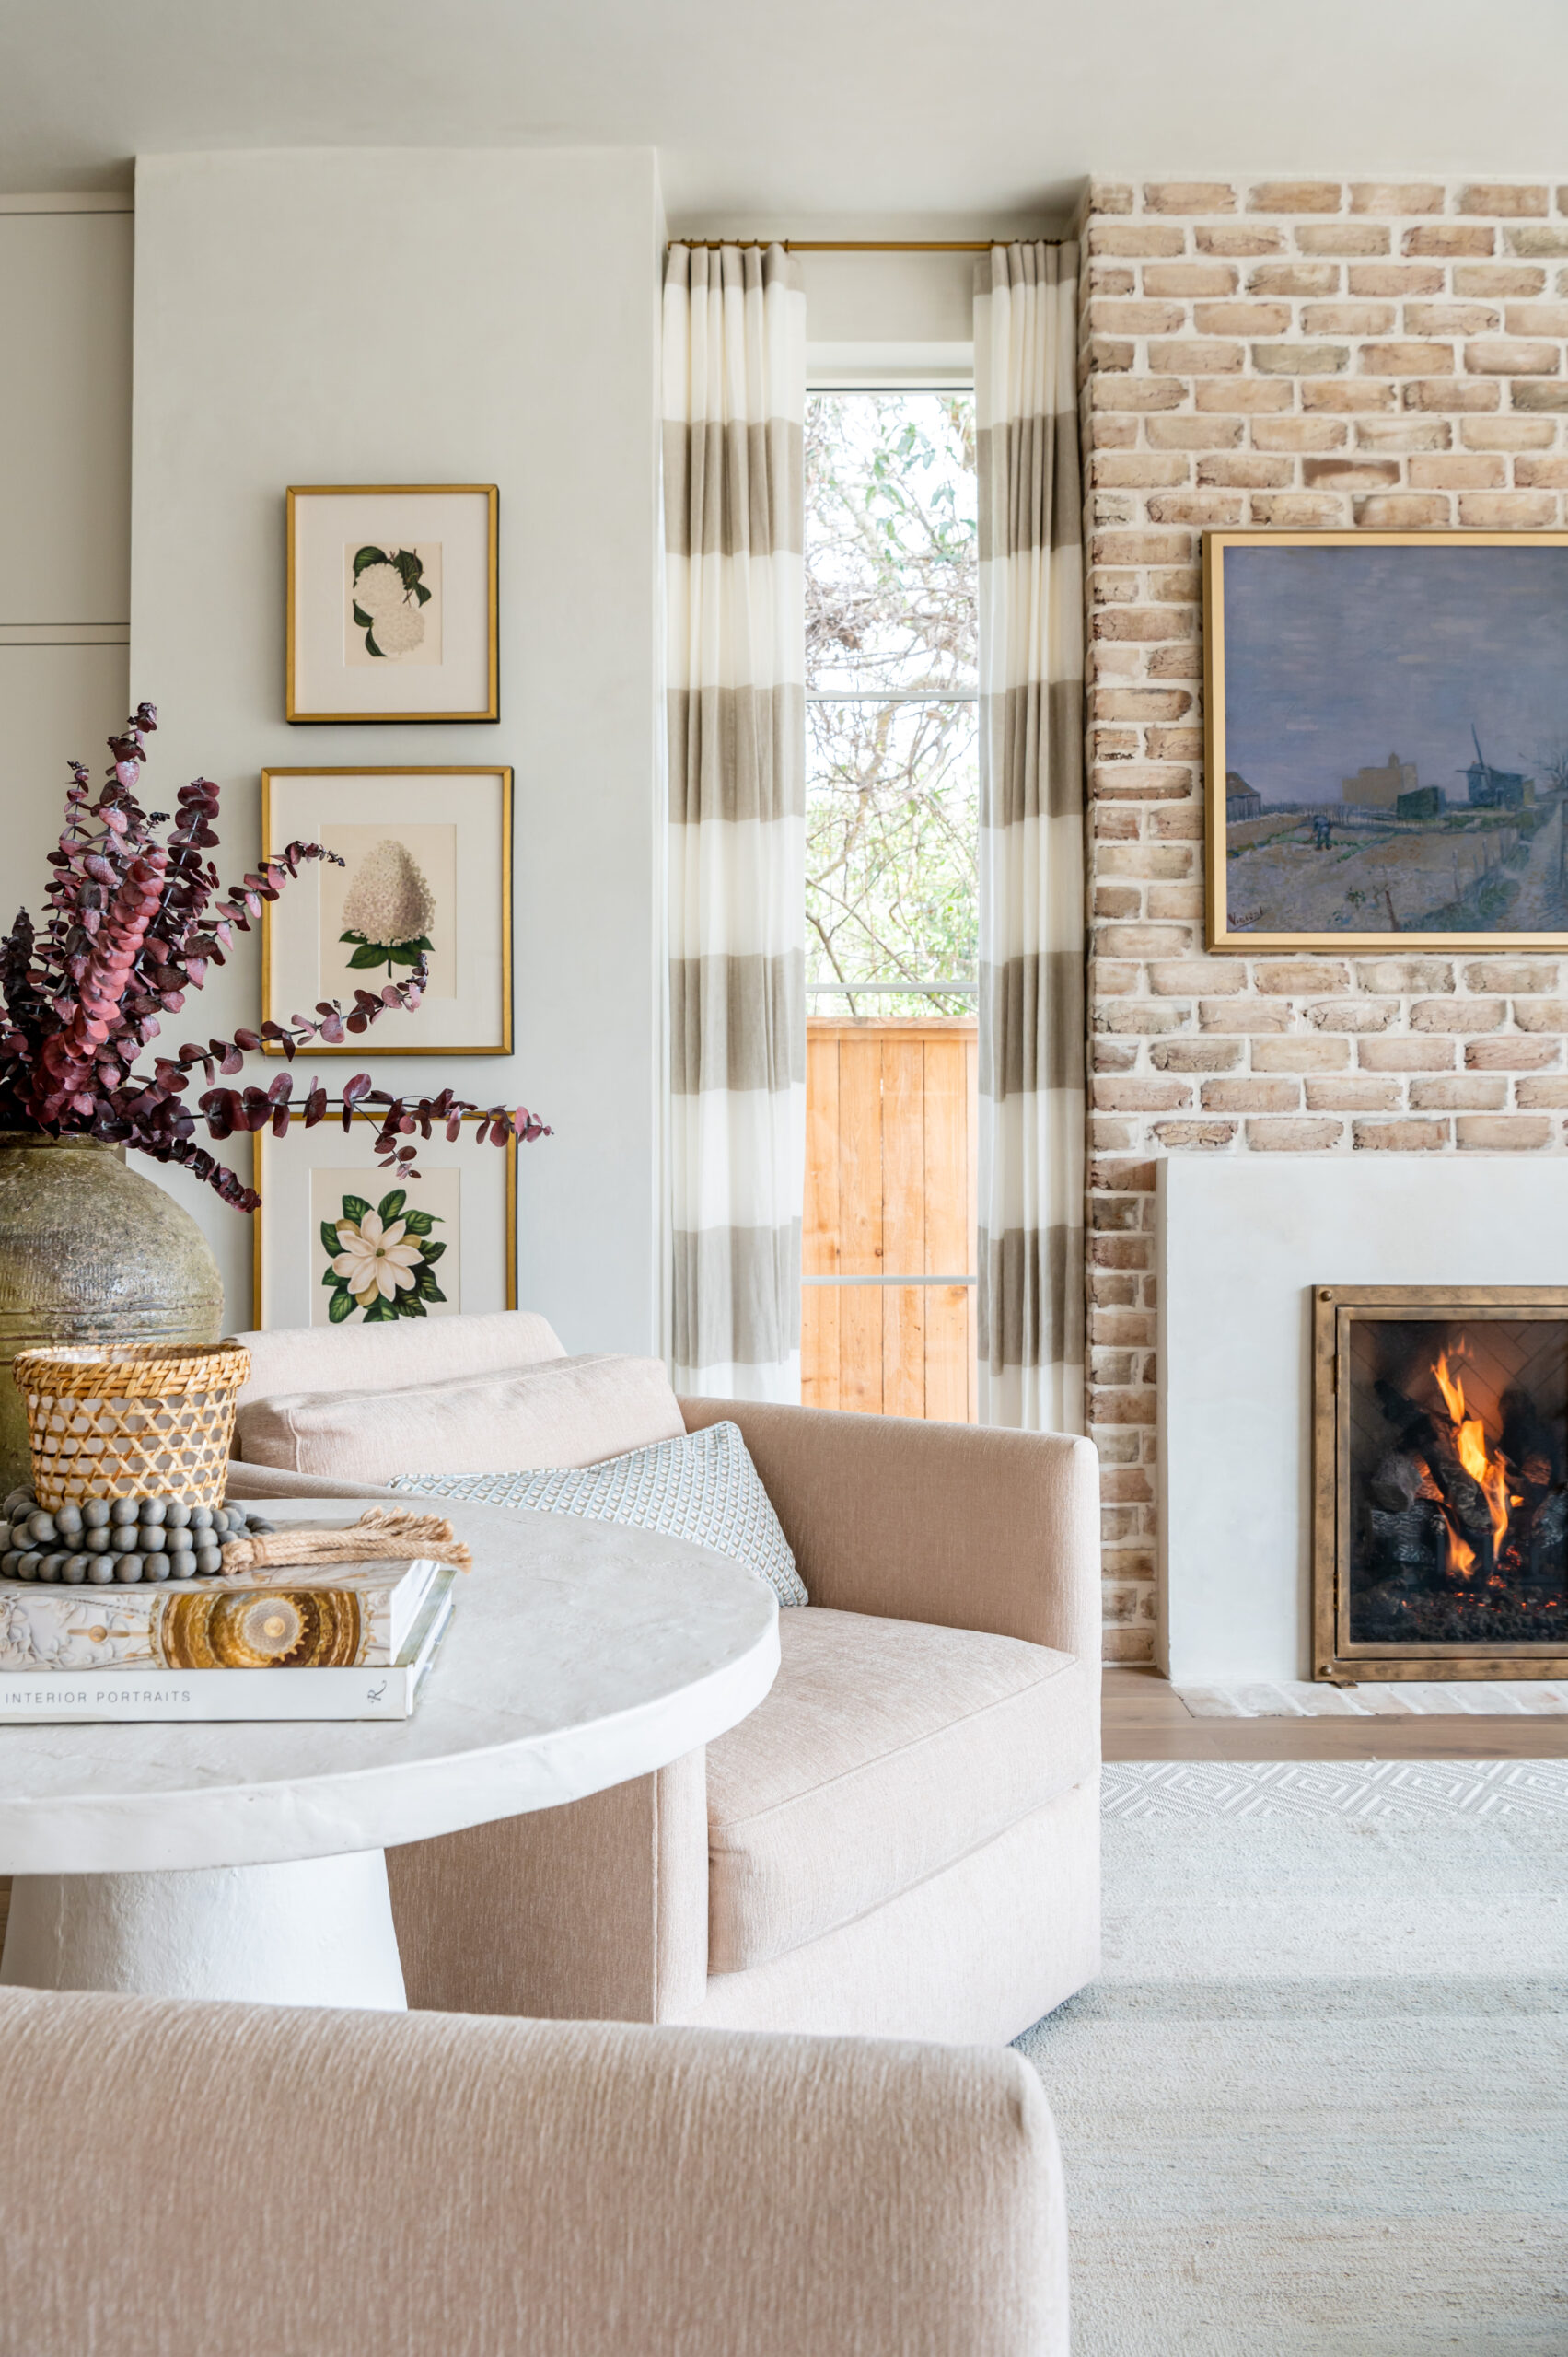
(1473, 1454)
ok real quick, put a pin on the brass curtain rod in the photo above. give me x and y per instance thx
(871, 245)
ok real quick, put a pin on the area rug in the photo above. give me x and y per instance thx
(1453, 1697)
(1317, 2104)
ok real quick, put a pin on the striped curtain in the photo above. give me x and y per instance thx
(734, 489)
(1031, 840)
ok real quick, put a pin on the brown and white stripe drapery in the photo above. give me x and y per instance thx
(1032, 847)
(734, 491)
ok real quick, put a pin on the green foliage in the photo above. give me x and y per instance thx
(892, 803)
(384, 953)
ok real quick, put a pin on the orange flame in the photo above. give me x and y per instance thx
(1469, 1443)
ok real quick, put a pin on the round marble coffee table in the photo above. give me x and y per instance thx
(245, 1861)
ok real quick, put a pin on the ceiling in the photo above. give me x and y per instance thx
(817, 110)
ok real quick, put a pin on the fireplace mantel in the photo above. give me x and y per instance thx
(1242, 1243)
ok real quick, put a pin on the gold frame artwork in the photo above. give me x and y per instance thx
(367, 1044)
(1337, 1660)
(487, 490)
(1221, 937)
(335, 1120)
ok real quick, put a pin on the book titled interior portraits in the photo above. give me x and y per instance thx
(392, 603)
(1386, 716)
(421, 871)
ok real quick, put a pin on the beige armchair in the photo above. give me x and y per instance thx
(178, 2180)
(902, 1840)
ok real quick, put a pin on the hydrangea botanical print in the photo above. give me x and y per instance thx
(389, 910)
(390, 596)
(381, 1262)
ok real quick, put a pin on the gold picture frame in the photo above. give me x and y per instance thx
(1501, 847)
(287, 924)
(263, 1144)
(315, 664)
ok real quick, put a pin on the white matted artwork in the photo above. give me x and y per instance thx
(427, 872)
(392, 603)
(339, 1240)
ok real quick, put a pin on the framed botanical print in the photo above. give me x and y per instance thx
(1387, 719)
(339, 1240)
(427, 872)
(392, 602)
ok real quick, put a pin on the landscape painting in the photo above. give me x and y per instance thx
(1387, 738)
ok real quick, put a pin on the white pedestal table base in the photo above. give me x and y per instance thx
(318, 1932)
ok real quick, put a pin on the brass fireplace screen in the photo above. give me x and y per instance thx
(1440, 1482)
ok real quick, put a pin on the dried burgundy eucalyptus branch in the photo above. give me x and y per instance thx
(134, 923)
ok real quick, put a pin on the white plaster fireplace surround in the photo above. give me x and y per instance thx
(1240, 1244)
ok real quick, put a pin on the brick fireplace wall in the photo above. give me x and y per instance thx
(1310, 353)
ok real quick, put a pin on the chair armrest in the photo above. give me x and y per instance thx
(959, 1525)
(425, 2184)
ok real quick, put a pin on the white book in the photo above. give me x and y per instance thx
(48, 1697)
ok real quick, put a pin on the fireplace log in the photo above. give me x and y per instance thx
(1422, 1434)
(1400, 1479)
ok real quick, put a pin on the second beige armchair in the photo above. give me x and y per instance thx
(903, 1840)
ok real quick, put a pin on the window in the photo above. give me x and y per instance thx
(891, 911)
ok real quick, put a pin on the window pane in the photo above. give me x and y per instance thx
(891, 814)
(890, 542)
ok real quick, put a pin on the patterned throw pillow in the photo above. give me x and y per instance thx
(702, 1487)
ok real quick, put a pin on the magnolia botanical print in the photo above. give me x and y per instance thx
(384, 1256)
(394, 603)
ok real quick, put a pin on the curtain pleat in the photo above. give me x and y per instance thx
(1031, 839)
(734, 491)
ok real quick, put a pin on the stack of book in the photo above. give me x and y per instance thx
(344, 1642)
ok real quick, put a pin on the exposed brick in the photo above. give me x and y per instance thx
(1137, 469)
(1129, 1485)
(1188, 356)
(1541, 474)
(1300, 359)
(1353, 1014)
(1250, 1096)
(1137, 393)
(1515, 511)
(1127, 1648)
(1403, 432)
(1508, 433)
(1164, 860)
(1196, 1055)
(1186, 279)
(1399, 1137)
(1401, 512)
(1452, 241)
(1347, 318)
(1343, 238)
(1123, 1408)
(1298, 433)
(1353, 394)
(1139, 1016)
(1136, 318)
(1176, 826)
(1240, 238)
(1537, 318)
(1507, 201)
(1248, 473)
(1142, 940)
(1452, 318)
(1526, 239)
(1459, 471)
(1242, 397)
(1183, 980)
(1402, 280)
(1107, 278)
(1242, 319)
(1293, 507)
(1549, 1095)
(1402, 1054)
(1294, 196)
(1409, 358)
(1140, 548)
(1111, 1292)
(1140, 703)
(1193, 433)
(1541, 1013)
(1143, 622)
(1182, 585)
(1117, 900)
(1111, 196)
(1458, 1093)
(1135, 238)
(1296, 977)
(1398, 198)
(1113, 1055)
(1513, 974)
(1457, 1014)
(1245, 1014)
(1300, 1052)
(1539, 393)
(1451, 393)
(1401, 974)
(1109, 352)
(1512, 356)
(1121, 1251)
(1294, 1137)
(1176, 899)
(1493, 280)
(1350, 474)
(1188, 196)
(1189, 1137)
(1347, 1094)
(1294, 278)
(1202, 509)
(1504, 1133)
(1182, 661)
(1511, 1053)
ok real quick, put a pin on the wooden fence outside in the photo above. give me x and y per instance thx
(891, 1149)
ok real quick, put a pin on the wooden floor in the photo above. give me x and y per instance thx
(1143, 1718)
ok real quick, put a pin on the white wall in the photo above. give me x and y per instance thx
(1242, 1243)
(65, 511)
(425, 316)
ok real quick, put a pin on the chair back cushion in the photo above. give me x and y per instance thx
(565, 1412)
(702, 1487)
(379, 1358)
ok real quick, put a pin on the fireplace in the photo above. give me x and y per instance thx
(1440, 1481)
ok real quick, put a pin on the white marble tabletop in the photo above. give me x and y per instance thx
(580, 1656)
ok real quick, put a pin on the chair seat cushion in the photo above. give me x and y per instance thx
(885, 1750)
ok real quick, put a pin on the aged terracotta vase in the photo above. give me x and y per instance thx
(90, 1251)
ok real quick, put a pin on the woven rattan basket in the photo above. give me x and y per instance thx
(139, 1419)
